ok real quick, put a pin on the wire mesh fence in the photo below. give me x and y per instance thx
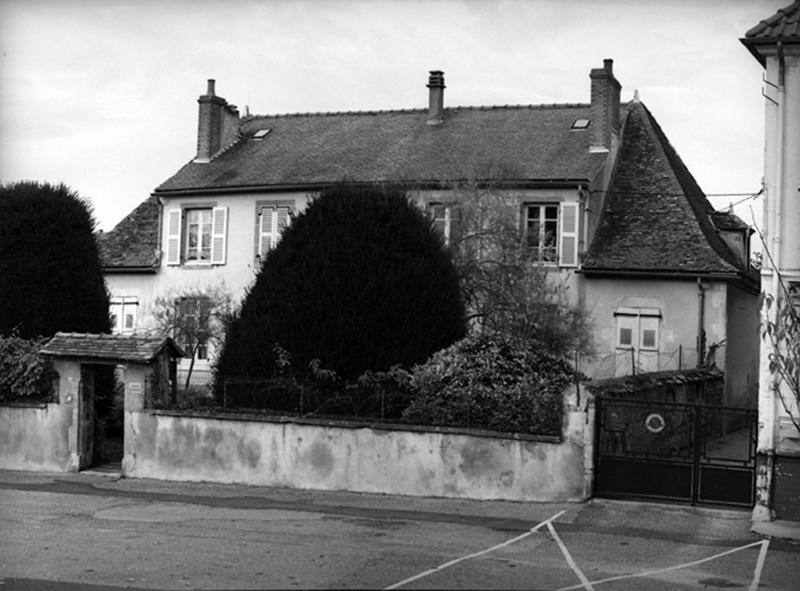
(623, 362)
(387, 405)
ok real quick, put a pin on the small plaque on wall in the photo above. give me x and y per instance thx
(135, 387)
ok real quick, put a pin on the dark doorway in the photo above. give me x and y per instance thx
(108, 416)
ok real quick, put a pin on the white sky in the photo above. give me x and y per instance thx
(102, 95)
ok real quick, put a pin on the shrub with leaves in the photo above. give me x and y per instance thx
(25, 374)
(360, 281)
(50, 275)
(493, 382)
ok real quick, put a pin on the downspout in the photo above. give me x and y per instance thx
(701, 331)
(777, 210)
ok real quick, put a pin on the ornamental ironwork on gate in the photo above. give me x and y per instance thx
(692, 453)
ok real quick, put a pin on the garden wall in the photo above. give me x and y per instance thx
(332, 455)
(35, 437)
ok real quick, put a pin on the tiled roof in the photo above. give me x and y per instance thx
(110, 347)
(656, 218)
(529, 142)
(724, 220)
(783, 26)
(133, 243)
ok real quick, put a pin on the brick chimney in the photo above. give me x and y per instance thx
(217, 125)
(605, 107)
(436, 97)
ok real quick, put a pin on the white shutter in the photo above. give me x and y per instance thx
(219, 223)
(174, 237)
(265, 231)
(568, 251)
(283, 221)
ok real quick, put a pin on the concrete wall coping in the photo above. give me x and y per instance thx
(355, 424)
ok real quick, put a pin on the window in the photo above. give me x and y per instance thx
(123, 314)
(272, 221)
(551, 232)
(197, 235)
(541, 231)
(637, 328)
(442, 220)
(192, 330)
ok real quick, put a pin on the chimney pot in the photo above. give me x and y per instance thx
(435, 97)
(608, 65)
(210, 91)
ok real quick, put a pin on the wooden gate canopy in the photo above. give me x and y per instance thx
(113, 348)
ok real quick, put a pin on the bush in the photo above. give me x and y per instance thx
(492, 382)
(359, 281)
(51, 276)
(25, 374)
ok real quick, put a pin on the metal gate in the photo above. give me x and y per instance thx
(678, 452)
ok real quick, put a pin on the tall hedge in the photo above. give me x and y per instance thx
(360, 280)
(50, 276)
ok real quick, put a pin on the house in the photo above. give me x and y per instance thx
(775, 43)
(598, 192)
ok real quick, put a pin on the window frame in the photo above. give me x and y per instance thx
(447, 220)
(259, 253)
(542, 220)
(124, 303)
(636, 319)
(206, 222)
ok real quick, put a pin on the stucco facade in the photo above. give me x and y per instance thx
(775, 43)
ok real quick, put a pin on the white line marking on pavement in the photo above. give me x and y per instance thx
(667, 569)
(476, 554)
(762, 556)
(584, 581)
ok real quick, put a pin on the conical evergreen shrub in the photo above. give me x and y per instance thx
(50, 275)
(360, 280)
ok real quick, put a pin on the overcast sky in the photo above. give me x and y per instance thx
(102, 94)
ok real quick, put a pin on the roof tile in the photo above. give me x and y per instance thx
(531, 142)
(109, 347)
(656, 218)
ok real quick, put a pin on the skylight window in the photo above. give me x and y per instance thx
(580, 124)
(261, 134)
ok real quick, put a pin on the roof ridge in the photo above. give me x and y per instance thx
(531, 106)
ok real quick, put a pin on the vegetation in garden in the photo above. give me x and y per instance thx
(491, 381)
(25, 374)
(359, 281)
(505, 288)
(196, 318)
(51, 275)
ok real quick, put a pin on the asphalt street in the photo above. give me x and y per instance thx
(80, 531)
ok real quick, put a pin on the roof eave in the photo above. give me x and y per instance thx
(421, 184)
(754, 44)
(749, 282)
(132, 269)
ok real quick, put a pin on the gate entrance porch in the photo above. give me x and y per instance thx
(698, 454)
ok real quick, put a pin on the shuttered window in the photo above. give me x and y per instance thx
(272, 221)
(197, 235)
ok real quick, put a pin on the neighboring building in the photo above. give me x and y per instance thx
(775, 43)
(601, 198)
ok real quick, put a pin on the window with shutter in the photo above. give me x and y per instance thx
(272, 221)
